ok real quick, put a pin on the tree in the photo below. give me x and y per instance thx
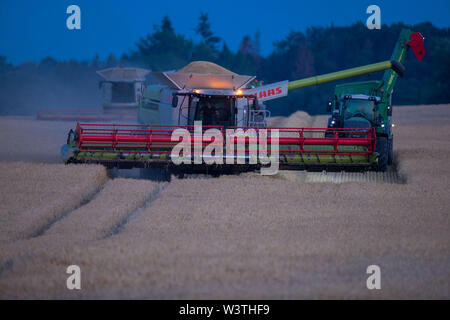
(247, 47)
(204, 30)
(166, 25)
(441, 91)
(257, 42)
(95, 63)
(226, 57)
(203, 52)
(111, 61)
(247, 60)
(161, 50)
(5, 66)
(304, 63)
(47, 64)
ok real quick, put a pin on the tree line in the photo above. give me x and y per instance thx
(318, 50)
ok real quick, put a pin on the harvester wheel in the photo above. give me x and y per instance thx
(390, 151)
(383, 151)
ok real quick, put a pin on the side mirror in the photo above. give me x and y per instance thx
(389, 111)
(329, 106)
(175, 101)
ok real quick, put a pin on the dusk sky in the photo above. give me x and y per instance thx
(31, 30)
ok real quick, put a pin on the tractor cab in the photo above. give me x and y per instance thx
(354, 111)
(359, 111)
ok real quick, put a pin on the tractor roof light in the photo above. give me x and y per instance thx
(197, 91)
(239, 92)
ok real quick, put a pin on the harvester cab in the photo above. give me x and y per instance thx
(368, 104)
(225, 108)
(122, 87)
(121, 90)
(214, 99)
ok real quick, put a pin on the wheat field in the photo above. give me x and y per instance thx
(235, 237)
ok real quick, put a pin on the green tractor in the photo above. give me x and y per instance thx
(368, 104)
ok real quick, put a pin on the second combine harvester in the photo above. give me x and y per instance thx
(225, 100)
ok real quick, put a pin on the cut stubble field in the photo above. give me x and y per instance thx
(244, 236)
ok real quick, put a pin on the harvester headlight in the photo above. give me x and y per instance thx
(392, 125)
(197, 91)
(239, 92)
(382, 125)
(333, 122)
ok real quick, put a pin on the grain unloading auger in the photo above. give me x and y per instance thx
(150, 145)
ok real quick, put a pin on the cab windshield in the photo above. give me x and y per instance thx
(214, 112)
(358, 107)
(122, 92)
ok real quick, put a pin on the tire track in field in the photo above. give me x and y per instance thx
(119, 200)
(34, 196)
(107, 212)
(6, 266)
(120, 226)
(44, 228)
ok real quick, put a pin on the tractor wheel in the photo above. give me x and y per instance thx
(383, 151)
(390, 151)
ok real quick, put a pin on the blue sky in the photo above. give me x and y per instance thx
(31, 30)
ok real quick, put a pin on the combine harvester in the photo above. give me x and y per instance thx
(121, 90)
(223, 100)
